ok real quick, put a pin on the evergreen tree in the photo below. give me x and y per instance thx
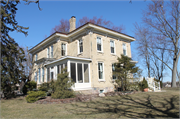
(62, 86)
(124, 70)
(12, 56)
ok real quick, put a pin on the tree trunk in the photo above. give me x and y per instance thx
(175, 62)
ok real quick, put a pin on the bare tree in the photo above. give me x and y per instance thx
(64, 24)
(163, 18)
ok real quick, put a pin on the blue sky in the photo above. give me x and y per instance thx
(40, 23)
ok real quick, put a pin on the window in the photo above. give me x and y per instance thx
(42, 74)
(36, 57)
(63, 49)
(48, 52)
(113, 69)
(35, 77)
(58, 69)
(124, 49)
(48, 75)
(99, 44)
(52, 51)
(80, 46)
(79, 71)
(112, 46)
(39, 75)
(100, 70)
(73, 72)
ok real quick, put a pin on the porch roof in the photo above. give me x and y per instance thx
(68, 57)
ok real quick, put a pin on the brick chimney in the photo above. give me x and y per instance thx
(72, 23)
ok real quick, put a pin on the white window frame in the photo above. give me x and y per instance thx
(114, 47)
(51, 51)
(103, 79)
(65, 49)
(79, 46)
(101, 44)
(48, 52)
(124, 47)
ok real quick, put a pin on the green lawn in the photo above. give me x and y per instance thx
(140, 105)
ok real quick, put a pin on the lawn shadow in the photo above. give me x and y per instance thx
(130, 107)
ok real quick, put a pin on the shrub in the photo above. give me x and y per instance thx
(142, 85)
(33, 96)
(62, 86)
(48, 87)
(29, 86)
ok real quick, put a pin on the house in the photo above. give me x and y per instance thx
(88, 52)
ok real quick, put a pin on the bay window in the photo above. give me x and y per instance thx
(80, 46)
(63, 49)
(39, 75)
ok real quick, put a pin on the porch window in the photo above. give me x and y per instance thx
(112, 46)
(124, 49)
(80, 46)
(52, 75)
(79, 68)
(52, 51)
(100, 70)
(42, 74)
(99, 44)
(113, 69)
(39, 75)
(63, 49)
(73, 72)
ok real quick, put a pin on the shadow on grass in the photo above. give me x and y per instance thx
(126, 106)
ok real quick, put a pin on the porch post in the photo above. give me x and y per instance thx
(68, 67)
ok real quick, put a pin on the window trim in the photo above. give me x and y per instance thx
(103, 72)
(114, 47)
(101, 44)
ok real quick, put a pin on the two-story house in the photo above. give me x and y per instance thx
(88, 52)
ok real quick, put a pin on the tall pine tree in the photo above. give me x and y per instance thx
(124, 71)
(12, 56)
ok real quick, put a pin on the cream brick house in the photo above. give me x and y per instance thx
(88, 52)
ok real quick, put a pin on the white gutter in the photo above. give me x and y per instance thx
(68, 57)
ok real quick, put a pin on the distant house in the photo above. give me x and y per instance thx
(89, 53)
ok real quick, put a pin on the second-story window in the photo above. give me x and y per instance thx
(52, 51)
(36, 57)
(112, 46)
(80, 46)
(124, 49)
(48, 52)
(63, 49)
(99, 44)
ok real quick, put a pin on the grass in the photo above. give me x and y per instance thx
(140, 105)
